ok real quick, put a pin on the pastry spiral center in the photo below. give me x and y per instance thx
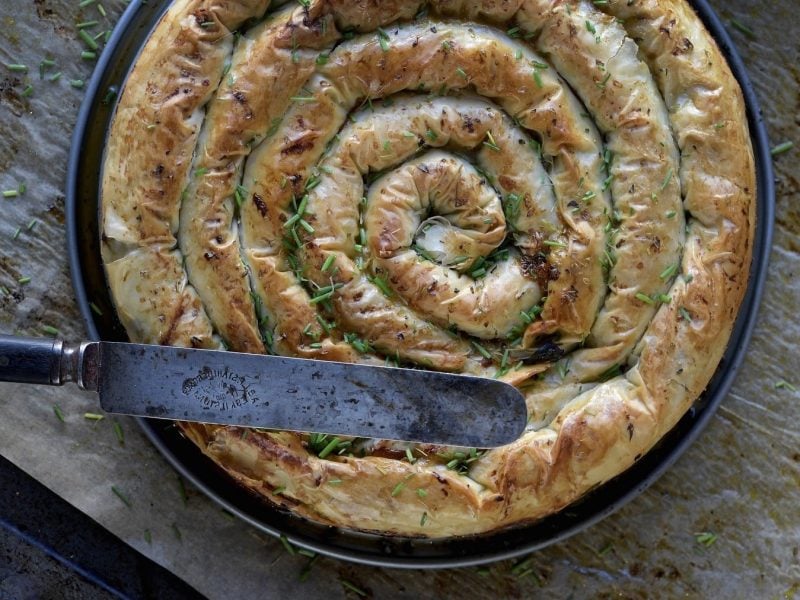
(462, 279)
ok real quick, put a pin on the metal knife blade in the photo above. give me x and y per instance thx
(275, 392)
(296, 394)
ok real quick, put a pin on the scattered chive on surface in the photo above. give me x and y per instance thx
(118, 431)
(119, 494)
(93, 416)
(736, 24)
(781, 148)
(785, 385)
(58, 412)
(705, 538)
(353, 588)
(50, 330)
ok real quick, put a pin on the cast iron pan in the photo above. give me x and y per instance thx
(83, 182)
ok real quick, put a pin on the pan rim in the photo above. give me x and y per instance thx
(697, 419)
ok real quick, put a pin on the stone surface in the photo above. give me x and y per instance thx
(740, 481)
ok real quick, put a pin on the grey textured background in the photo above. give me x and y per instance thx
(740, 481)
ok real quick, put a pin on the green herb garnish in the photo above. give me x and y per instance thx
(121, 496)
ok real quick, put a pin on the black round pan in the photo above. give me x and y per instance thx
(92, 294)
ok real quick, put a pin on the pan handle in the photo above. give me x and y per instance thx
(42, 361)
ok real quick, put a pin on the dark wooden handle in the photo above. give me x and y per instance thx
(30, 360)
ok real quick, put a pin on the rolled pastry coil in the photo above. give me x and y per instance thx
(558, 194)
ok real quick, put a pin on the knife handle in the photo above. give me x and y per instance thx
(44, 361)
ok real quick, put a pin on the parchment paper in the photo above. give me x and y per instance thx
(739, 482)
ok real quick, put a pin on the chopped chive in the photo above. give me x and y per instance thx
(669, 272)
(118, 431)
(322, 59)
(782, 384)
(666, 181)
(554, 243)
(410, 456)
(671, 214)
(685, 314)
(736, 24)
(17, 68)
(121, 496)
(76, 83)
(28, 91)
(101, 10)
(422, 493)
(93, 416)
(279, 490)
(302, 98)
(408, 134)
(287, 545)
(398, 488)
(461, 73)
(88, 39)
(490, 142)
(382, 285)
(10, 193)
(88, 55)
(537, 77)
(58, 412)
(84, 3)
(50, 330)
(306, 570)
(431, 134)
(239, 194)
(423, 519)
(292, 220)
(328, 263)
(590, 28)
(781, 148)
(602, 84)
(321, 297)
(24, 280)
(95, 309)
(329, 448)
(334, 481)
(54, 76)
(481, 350)
(182, 490)
(306, 225)
(17, 231)
(87, 24)
(353, 588)
(644, 298)
(706, 538)
(383, 39)
(200, 172)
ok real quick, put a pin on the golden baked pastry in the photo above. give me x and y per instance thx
(558, 193)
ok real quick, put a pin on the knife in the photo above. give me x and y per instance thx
(275, 392)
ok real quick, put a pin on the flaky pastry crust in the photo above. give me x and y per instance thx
(558, 193)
